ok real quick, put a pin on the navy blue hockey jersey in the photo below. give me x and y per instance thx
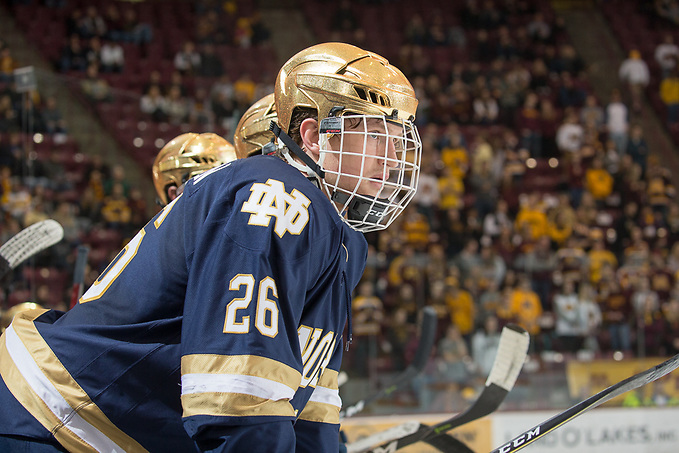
(218, 327)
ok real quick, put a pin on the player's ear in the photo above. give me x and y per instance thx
(308, 131)
(172, 192)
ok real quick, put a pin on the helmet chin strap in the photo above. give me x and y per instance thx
(310, 167)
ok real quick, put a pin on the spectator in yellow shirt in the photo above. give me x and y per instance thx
(669, 93)
(7, 64)
(525, 306)
(244, 88)
(115, 210)
(659, 190)
(455, 156)
(451, 190)
(415, 229)
(560, 220)
(460, 306)
(598, 181)
(406, 267)
(560, 228)
(532, 216)
(597, 257)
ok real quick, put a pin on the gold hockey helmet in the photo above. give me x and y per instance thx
(252, 132)
(369, 153)
(335, 74)
(8, 316)
(188, 155)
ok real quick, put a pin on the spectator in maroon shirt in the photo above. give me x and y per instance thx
(616, 311)
(528, 122)
(670, 311)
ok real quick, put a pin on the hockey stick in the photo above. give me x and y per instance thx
(424, 347)
(636, 381)
(509, 360)
(28, 242)
(442, 442)
(79, 274)
(446, 443)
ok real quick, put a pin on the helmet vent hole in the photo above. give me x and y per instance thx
(370, 96)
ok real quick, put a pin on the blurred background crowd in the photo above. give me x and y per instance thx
(543, 200)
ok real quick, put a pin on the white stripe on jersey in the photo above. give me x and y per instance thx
(56, 403)
(326, 395)
(233, 383)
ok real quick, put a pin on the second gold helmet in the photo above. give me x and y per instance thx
(252, 132)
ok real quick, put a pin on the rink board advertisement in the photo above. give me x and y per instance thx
(588, 378)
(637, 430)
(621, 430)
(477, 435)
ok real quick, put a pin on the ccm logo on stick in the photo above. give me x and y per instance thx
(520, 440)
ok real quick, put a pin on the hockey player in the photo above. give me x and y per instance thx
(253, 132)
(219, 326)
(185, 156)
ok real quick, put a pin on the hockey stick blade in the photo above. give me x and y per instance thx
(27, 242)
(448, 443)
(424, 347)
(509, 360)
(638, 380)
(442, 442)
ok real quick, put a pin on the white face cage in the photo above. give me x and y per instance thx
(372, 167)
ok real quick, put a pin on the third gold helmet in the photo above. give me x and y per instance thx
(252, 132)
(8, 316)
(188, 155)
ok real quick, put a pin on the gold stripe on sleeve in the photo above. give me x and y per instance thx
(329, 379)
(244, 365)
(233, 405)
(320, 412)
(323, 412)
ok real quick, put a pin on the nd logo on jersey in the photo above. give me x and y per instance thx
(271, 200)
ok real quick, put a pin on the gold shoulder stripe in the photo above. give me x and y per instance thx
(67, 388)
(244, 365)
(320, 412)
(234, 405)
